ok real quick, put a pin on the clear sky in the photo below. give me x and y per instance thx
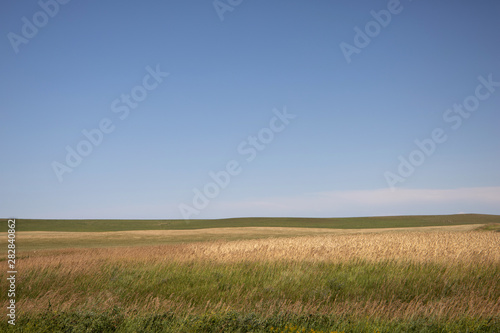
(201, 109)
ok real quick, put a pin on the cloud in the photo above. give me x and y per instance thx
(366, 203)
(378, 202)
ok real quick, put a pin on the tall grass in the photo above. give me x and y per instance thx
(355, 282)
(382, 290)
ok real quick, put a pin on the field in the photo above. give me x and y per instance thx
(320, 277)
(337, 223)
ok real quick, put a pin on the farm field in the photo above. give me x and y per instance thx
(287, 222)
(442, 278)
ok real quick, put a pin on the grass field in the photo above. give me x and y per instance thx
(337, 223)
(262, 279)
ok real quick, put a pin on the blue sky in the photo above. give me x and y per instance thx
(330, 129)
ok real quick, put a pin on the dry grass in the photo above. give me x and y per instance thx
(434, 245)
(38, 240)
(392, 274)
(407, 246)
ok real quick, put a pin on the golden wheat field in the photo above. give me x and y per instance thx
(428, 244)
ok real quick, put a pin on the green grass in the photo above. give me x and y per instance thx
(255, 297)
(490, 227)
(230, 322)
(340, 223)
(237, 283)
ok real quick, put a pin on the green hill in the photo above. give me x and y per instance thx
(295, 222)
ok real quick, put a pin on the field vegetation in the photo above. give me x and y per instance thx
(286, 222)
(434, 279)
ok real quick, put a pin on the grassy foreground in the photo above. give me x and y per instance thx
(367, 282)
